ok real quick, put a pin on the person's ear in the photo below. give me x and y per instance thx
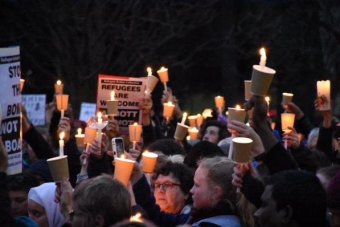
(286, 214)
(99, 221)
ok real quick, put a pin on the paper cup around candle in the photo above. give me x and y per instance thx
(241, 149)
(287, 98)
(59, 168)
(149, 162)
(236, 114)
(90, 135)
(80, 140)
(58, 88)
(135, 132)
(193, 132)
(181, 131)
(324, 92)
(62, 102)
(168, 110)
(163, 75)
(192, 120)
(287, 120)
(261, 80)
(247, 90)
(151, 82)
(123, 170)
(112, 107)
(219, 102)
(199, 120)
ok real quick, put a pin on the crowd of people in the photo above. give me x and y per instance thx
(195, 183)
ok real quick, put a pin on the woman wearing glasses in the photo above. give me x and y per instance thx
(172, 188)
(214, 197)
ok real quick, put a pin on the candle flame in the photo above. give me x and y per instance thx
(112, 95)
(149, 70)
(136, 218)
(262, 52)
(238, 107)
(79, 131)
(207, 113)
(59, 82)
(99, 115)
(162, 69)
(122, 156)
(135, 124)
(267, 98)
(62, 135)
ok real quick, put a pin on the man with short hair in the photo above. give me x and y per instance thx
(292, 198)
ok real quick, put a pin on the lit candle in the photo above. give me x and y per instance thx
(112, 104)
(168, 109)
(263, 58)
(99, 117)
(207, 113)
(61, 143)
(324, 93)
(163, 76)
(219, 103)
(199, 120)
(193, 133)
(241, 149)
(58, 87)
(184, 117)
(287, 120)
(135, 132)
(80, 138)
(267, 98)
(151, 82)
(62, 103)
(236, 113)
(262, 76)
(136, 218)
(22, 83)
(149, 161)
(192, 120)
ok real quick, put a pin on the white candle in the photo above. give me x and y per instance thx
(112, 96)
(136, 218)
(149, 70)
(324, 92)
(263, 58)
(184, 117)
(61, 143)
(99, 118)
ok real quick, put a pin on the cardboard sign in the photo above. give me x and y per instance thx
(128, 92)
(87, 110)
(10, 100)
(36, 108)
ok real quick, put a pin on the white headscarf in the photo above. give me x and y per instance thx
(44, 195)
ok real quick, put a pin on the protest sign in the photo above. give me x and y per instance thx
(128, 92)
(10, 99)
(35, 106)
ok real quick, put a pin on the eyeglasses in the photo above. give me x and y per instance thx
(165, 185)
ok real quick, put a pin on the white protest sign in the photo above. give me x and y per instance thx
(87, 110)
(128, 92)
(10, 99)
(35, 106)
